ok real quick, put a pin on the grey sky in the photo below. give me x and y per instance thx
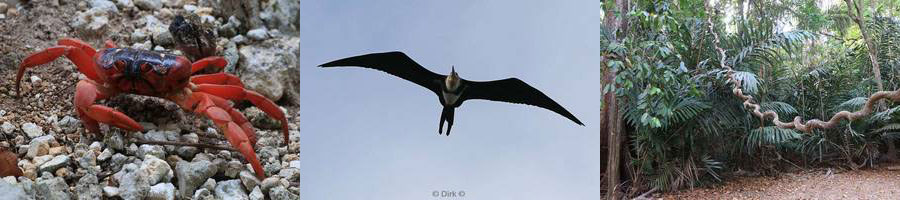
(369, 135)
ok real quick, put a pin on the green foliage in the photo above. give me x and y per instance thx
(684, 124)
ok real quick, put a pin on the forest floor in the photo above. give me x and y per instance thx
(878, 183)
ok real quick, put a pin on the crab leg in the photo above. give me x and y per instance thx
(238, 117)
(214, 61)
(218, 79)
(203, 104)
(238, 93)
(86, 94)
(84, 46)
(77, 54)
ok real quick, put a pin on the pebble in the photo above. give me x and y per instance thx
(39, 146)
(91, 22)
(88, 187)
(57, 150)
(270, 68)
(96, 147)
(38, 161)
(272, 168)
(257, 194)
(162, 191)
(153, 150)
(104, 155)
(104, 5)
(68, 124)
(233, 168)
(156, 170)
(7, 127)
(189, 8)
(230, 189)
(87, 159)
(124, 4)
(54, 164)
(138, 35)
(295, 164)
(191, 174)
(291, 174)
(51, 188)
(210, 184)
(239, 39)
(12, 191)
(269, 183)
(114, 140)
(148, 4)
(202, 194)
(249, 179)
(32, 130)
(132, 183)
(12, 12)
(282, 193)
(62, 172)
(258, 34)
(109, 191)
(10, 179)
(117, 162)
(35, 79)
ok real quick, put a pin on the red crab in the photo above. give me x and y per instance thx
(112, 71)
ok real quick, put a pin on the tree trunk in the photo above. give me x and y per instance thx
(612, 126)
(876, 70)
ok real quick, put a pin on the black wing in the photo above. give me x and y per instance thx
(395, 63)
(513, 90)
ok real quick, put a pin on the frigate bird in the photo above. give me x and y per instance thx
(450, 89)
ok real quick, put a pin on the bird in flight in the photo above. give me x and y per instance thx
(452, 90)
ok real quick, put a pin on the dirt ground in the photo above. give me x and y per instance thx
(881, 183)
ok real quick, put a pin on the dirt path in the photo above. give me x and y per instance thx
(879, 183)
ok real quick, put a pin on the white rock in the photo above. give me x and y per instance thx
(230, 189)
(190, 175)
(124, 4)
(35, 79)
(39, 146)
(156, 170)
(148, 4)
(258, 34)
(40, 160)
(295, 164)
(8, 128)
(248, 179)
(55, 163)
(32, 130)
(104, 5)
(162, 191)
(109, 191)
(271, 68)
(104, 155)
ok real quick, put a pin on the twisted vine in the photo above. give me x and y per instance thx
(797, 123)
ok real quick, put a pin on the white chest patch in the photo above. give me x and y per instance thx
(450, 98)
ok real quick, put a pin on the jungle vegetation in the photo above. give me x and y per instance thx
(671, 120)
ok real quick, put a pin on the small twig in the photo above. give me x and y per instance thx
(208, 146)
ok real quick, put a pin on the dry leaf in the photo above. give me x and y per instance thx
(8, 164)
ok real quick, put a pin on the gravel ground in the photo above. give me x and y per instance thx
(881, 183)
(62, 161)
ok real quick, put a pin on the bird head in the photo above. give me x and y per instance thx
(452, 81)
